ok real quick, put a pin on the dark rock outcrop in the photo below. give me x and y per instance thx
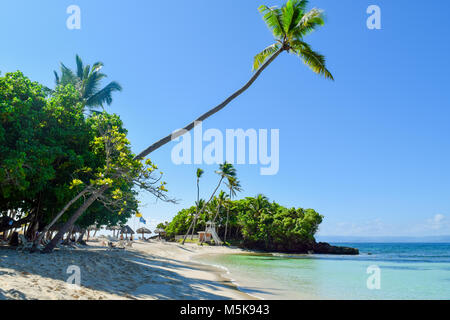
(300, 247)
(326, 248)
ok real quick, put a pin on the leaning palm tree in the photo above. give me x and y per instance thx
(199, 175)
(289, 38)
(289, 25)
(234, 186)
(225, 170)
(87, 80)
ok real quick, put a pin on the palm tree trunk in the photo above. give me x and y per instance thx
(47, 227)
(80, 238)
(217, 213)
(211, 112)
(179, 133)
(228, 216)
(203, 209)
(49, 248)
(196, 211)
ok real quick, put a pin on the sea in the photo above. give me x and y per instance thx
(382, 271)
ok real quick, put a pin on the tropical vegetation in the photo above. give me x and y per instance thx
(254, 222)
(65, 160)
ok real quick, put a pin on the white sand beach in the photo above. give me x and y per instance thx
(149, 270)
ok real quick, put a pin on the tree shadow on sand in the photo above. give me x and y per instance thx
(126, 273)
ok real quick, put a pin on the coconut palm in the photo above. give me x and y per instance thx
(199, 175)
(221, 199)
(289, 25)
(87, 80)
(225, 170)
(234, 186)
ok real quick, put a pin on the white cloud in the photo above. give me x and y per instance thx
(438, 222)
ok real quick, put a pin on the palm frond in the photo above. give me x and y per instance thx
(67, 76)
(261, 57)
(80, 67)
(292, 12)
(310, 21)
(86, 72)
(57, 80)
(288, 11)
(97, 66)
(91, 84)
(272, 17)
(312, 59)
(104, 95)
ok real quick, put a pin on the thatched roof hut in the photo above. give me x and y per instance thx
(126, 230)
(143, 230)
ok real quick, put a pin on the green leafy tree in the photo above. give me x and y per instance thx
(120, 173)
(260, 224)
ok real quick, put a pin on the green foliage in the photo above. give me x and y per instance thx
(256, 222)
(25, 162)
(50, 150)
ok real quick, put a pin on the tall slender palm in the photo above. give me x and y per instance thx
(234, 186)
(225, 170)
(221, 199)
(87, 80)
(289, 25)
(199, 175)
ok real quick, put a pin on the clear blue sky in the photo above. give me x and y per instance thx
(370, 151)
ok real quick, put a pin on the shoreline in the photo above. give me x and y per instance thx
(205, 270)
(225, 274)
(150, 270)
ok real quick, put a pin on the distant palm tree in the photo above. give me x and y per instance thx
(87, 81)
(289, 25)
(234, 186)
(221, 199)
(225, 170)
(199, 175)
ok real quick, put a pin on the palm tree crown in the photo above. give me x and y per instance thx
(289, 24)
(234, 185)
(87, 80)
(226, 170)
(199, 173)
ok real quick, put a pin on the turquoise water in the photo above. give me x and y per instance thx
(407, 271)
